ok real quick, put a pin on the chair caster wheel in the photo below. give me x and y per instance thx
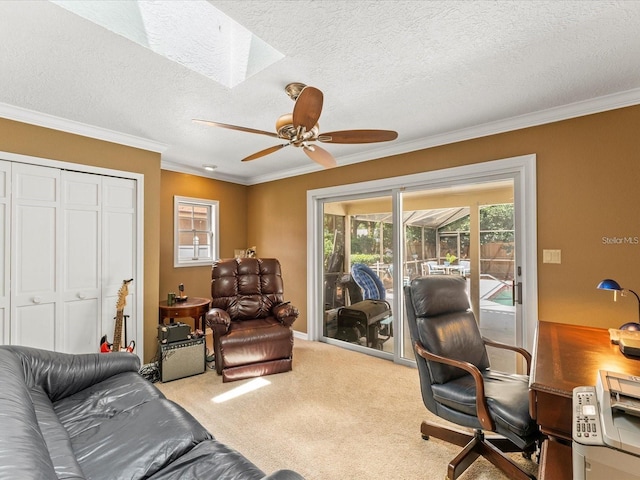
(425, 437)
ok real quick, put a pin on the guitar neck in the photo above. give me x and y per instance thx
(117, 333)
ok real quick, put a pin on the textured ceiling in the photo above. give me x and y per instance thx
(435, 71)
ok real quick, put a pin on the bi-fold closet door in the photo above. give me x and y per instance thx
(71, 244)
(5, 251)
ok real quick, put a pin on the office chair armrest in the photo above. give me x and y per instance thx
(482, 409)
(218, 320)
(285, 313)
(506, 346)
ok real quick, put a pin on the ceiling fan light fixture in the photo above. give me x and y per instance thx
(301, 127)
(284, 126)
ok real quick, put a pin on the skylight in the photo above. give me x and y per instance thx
(194, 34)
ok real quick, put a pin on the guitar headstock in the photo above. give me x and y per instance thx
(122, 294)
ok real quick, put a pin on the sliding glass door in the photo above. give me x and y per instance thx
(470, 221)
(467, 230)
(357, 267)
(497, 314)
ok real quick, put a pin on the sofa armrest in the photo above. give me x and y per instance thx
(284, 475)
(63, 374)
(23, 449)
(218, 320)
(285, 313)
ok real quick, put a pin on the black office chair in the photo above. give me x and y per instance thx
(457, 383)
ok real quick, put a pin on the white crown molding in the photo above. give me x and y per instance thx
(542, 117)
(565, 112)
(180, 168)
(556, 114)
(294, 172)
(32, 117)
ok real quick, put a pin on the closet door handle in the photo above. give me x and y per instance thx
(81, 296)
(37, 300)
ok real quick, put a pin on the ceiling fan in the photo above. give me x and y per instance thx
(300, 128)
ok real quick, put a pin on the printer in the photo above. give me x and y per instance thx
(606, 428)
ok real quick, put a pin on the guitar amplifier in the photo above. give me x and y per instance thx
(174, 332)
(181, 359)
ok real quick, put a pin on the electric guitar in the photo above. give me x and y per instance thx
(116, 346)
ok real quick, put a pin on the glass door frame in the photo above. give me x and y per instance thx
(522, 170)
(317, 325)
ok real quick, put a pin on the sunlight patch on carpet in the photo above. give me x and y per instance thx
(250, 386)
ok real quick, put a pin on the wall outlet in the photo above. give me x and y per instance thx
(551, 256)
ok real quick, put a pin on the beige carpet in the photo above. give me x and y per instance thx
(338, 415)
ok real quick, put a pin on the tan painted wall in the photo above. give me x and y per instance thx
(35, 141)
(588, 172)
(232, 200)
(579, 162)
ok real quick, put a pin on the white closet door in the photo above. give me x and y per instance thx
(5, 242)
(35, 227)
(118, 251)
(67, 241)
(80, 326)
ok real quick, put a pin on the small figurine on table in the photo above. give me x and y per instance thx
(182, 297)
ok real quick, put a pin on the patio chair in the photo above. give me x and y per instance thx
(465, 267)
(430, 268)
(371, 318)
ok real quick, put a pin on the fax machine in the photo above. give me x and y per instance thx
(606, 428)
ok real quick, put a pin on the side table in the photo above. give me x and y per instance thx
(192, 307)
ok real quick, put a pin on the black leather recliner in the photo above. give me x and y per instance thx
(458, 384)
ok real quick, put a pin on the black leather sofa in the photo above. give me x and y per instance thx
(93, 416)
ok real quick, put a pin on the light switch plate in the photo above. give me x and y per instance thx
(551, 256)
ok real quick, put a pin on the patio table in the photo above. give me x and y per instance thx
(449, 269)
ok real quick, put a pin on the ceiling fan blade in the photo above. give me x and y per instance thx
(358, 136)
(264, 152)
(235, 127)
(320, 155)
(308, 107)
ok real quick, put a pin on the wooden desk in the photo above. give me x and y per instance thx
(555, 461)
(564, 357)
(192, 307)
